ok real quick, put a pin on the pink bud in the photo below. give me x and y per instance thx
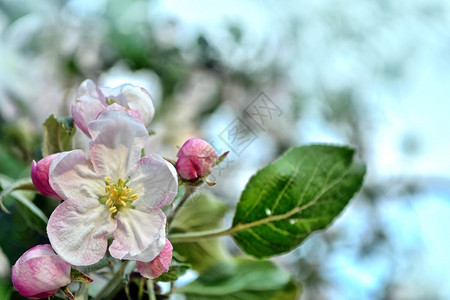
(159, 265)
(40, 272)
(39, 176)
(196, 159)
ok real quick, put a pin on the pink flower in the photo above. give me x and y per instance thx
(39, 176)
(39, 273)
(196, 159)
(159, 265)
(117, 192)
(92, 100)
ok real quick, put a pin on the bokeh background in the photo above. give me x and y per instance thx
(373, 74)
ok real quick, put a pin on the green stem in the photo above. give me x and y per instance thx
(21, 184)
(151, 290)
(114, 284)
(196, 236)
(189, 190)
(82, 293)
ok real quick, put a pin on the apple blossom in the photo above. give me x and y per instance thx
(92, 100)
(196, 159)
(40, 273)
(117, 192)
(157, 266)
(39, 176)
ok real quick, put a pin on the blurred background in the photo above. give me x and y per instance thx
(257, 78)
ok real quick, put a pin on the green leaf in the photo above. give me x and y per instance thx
(201, 212)
(174, 272)
(299, 193)
(58, 134)
(33, 215)
(258, 280)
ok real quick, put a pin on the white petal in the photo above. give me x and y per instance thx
(140, 234)
(117, 142)
(88, 105)
(155, 181)
(133, 97)
(139, 99)
(72, 176)
(78, 231)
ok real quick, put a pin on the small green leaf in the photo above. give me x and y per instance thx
(299, 193)
(201, 212)
(174, 272)
(58, 134)
(258, 280)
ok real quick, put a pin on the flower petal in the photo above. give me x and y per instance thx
(159, 265)
(140, 234)
(117, 142)
(88, 105)
(132, 97)
(155, 181)
(78, 231)
(72, 176)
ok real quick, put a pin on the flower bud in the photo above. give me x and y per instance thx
(40, 273)
(39, 176)
(196, 159)
(159, 265)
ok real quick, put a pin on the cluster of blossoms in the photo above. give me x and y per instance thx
(114, 192)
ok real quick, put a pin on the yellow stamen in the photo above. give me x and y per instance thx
(118, 195)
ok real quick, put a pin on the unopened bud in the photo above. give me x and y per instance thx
(39, 176)
(40, 273)
(196, 159)
(159, 265)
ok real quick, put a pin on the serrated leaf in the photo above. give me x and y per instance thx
(174, 272)
(201, 212)
(258, 280)
(58, 134)
(299, 193)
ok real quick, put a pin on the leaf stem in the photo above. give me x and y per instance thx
(196, 236)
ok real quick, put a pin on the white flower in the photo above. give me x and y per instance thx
(117, 192)
(91, 101)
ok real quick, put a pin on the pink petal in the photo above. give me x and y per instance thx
(155, 181)
(78, 230)
(72, 176)
(88, 105)
(140, 234)
(159, 265)
(117, 142)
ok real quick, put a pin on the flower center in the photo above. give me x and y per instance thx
(118, 195)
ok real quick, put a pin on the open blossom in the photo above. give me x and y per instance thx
(196, 159)
(39, 273)
(91, 101)
(117, 192)
(159, 265)
(39, 176)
